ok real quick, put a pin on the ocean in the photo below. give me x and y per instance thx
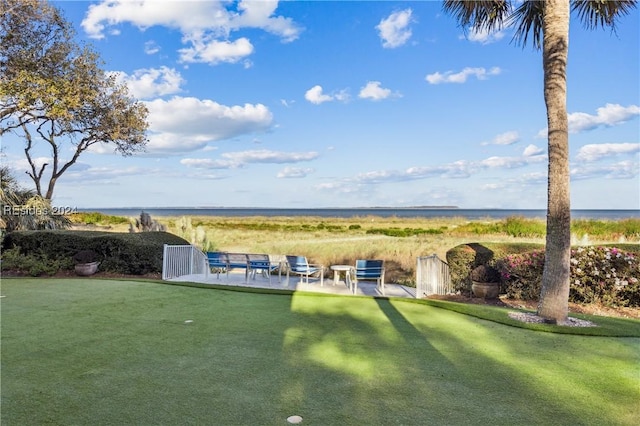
(471, 214)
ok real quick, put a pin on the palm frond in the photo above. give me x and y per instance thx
(481, 15)
(528, 18)
(602, 13)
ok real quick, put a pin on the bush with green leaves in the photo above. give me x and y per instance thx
(605, 275)
(521, 274)
(464, 258)
(125, 253)
(34, 265)
(599, 275)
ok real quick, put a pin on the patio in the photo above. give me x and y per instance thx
(237, 279)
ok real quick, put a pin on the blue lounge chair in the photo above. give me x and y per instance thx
(368, 270)
(261, 263)
(217, 261)
(225, 262)
(300, 266)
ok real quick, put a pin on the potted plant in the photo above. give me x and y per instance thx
(86, 262)
(485, 282)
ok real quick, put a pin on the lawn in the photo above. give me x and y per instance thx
(90, 351)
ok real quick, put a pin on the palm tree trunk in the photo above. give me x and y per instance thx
(554, 295)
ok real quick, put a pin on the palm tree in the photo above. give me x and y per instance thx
(548, 23)
(22, 209)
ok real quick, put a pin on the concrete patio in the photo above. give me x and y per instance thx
(237, 279)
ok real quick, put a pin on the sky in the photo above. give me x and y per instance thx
(310, 104)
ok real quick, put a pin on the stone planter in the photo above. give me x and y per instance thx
(485, 290)
(86, 269)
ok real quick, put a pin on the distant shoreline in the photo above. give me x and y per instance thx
(347, 212)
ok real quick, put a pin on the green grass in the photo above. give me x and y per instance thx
(88, 351)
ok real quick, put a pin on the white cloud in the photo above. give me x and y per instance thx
(607, 116)
(294, 172)
(152, 82)
(374, 92)
(621, 170)
(232, 160)
(316, 96)
(105, 174)
(190, 17)
(184, 124)
(461, 77)
(208, 163)
(532, 150)
(507, 138)
(460, 169)
(213, 52)
(151, 47)
(594, 152)
(394, 30)
(205, 25)
(484, 36)
(271, 157)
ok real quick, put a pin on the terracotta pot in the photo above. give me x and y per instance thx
(485, 290)
(86, 269)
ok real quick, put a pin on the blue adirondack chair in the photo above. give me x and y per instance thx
(300, 266)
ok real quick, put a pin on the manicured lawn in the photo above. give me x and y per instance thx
(97, 352)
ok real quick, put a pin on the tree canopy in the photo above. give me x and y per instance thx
(54, 89)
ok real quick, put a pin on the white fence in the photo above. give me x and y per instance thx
(178, 261)
(432, 277)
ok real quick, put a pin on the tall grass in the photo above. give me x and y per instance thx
(399, 241)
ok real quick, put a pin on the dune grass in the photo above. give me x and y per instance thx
(399, 241)
(88, 351)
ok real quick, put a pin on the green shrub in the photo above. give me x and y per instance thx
(604, 275)
(125, 253)
(599, 275)
(627, 228)
(521, 274)
(405, 232)
(35, 265)
(464, 258)
(96, 218)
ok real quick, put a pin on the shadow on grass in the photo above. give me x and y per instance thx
(97, 352)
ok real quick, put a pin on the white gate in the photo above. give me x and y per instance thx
(181, 260)
(432, 277)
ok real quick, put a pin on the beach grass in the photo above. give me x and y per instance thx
(399, 241)
(89, 351)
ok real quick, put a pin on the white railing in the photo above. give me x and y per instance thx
(178, 261)
(432, 277)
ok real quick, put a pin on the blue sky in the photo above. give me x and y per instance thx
(349, 104)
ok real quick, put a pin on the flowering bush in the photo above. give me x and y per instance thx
(521, 274)
(603, 275)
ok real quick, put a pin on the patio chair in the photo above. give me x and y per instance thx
(262, 263)
(238, 261)
(368, 270)
(300, 266)
(217, 262)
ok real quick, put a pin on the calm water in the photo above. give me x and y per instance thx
(359, 212)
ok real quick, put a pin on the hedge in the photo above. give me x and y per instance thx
(125, 253)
